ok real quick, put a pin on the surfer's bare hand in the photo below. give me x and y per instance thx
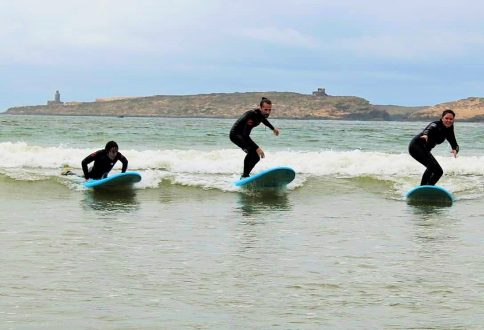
(260, 152)
(425, 137)
(454, 152)
(276, 131)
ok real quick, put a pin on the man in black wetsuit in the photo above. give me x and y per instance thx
(421, 145)
(240, 133)
(104, 161)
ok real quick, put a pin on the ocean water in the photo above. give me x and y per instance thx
(186, 249)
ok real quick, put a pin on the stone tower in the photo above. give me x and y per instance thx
(56, 99)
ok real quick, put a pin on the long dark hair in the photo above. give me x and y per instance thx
(448, 111)
(111, 144)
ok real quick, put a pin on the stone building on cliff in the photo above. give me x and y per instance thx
(320, 92)
(56, 100)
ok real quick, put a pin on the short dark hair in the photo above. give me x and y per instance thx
(110, 145)
(446, 111)
(264, 100)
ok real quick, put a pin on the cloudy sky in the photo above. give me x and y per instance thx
(411, 52)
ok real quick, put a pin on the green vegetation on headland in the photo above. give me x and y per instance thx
(232, 105)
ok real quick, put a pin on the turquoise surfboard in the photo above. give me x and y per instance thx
(119, 180)
(276, 177)
(429, 195)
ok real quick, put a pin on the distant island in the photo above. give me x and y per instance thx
(317, 105)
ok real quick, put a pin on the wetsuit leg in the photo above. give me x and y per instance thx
(95, 175)
(239, 141)
(436, 170)
(251, 159)
(433, 172)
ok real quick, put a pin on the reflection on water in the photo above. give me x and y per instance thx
(115, 200)
(426, 210)
(256, 202)
(434, 228)
(434, 203)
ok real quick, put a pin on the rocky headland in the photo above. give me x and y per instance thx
(231, 105)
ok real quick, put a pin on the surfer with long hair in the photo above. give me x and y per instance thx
(422, 144)
(104, 161)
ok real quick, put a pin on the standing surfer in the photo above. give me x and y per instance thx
(240, 133)
(421, 145)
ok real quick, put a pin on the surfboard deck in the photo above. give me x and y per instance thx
(429, 195)
(273, 178)
(118, 180)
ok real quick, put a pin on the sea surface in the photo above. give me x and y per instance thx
(186, 249)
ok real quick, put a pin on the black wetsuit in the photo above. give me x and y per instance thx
(240, 135)
(420, 149)
(102, 164)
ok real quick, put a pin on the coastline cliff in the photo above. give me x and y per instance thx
(232, 105)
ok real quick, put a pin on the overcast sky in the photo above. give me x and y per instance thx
(411, 52)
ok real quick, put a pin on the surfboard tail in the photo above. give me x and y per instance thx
(429, 195)
(273, 178)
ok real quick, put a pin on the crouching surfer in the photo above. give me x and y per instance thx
(104, 161)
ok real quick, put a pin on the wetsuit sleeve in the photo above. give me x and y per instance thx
(85, 162)
(123, 160)
(266, 122)
(451, 138)
(429, 128)
(247, 120)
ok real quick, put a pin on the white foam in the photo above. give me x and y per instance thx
(219, 169)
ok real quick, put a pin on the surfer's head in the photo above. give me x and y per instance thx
(448, 117)
(265, 106)
(112, 149)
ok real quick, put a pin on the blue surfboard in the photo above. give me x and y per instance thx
(276, 177)
(119, 180)
(429, 195)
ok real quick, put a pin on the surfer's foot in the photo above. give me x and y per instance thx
(66, 170)
(244, 176)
